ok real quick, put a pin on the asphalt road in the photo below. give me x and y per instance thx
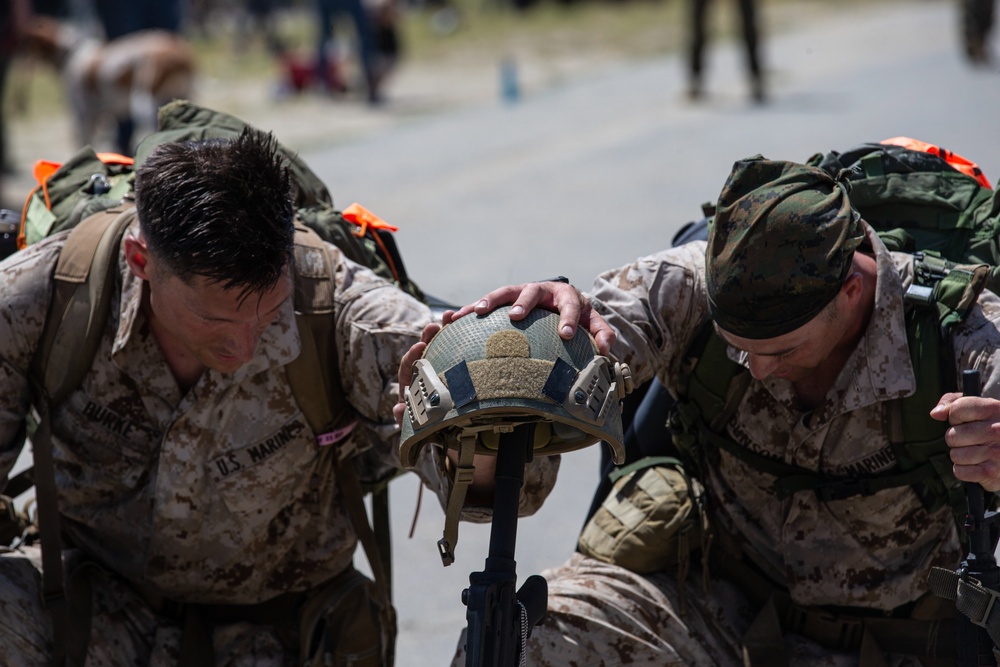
(599, 172)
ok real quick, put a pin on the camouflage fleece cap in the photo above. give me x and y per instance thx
(779, 248)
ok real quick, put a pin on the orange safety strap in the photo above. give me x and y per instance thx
(365, 219)
(116, 158)
(964, 165)
(42, 171)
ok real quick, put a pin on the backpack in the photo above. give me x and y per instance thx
(920, 199)
(89, 196)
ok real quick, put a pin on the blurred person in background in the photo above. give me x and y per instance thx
(14, 15)
(386, 16)
(328, 11)
(698, 40)
(257, 18)
(977, 24)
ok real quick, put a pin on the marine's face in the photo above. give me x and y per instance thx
(213, 324)
(795, 355)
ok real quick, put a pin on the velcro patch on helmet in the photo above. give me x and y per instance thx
(509, 343)
(460, 384)
(560, 379)
(509, 377)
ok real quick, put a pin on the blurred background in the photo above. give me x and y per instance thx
(261, 59)
(515, 140)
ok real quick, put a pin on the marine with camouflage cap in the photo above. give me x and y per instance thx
(202, 515)
(805, 295)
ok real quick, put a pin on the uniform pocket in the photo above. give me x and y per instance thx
(259, 481)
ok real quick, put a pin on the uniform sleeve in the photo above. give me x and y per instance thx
(24, 298)
(376, 323)
(656, 305)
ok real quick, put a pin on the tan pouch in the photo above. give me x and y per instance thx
(649, 520)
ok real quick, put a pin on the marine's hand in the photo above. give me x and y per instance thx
(573, 308)
(974, 437)
(405, 375)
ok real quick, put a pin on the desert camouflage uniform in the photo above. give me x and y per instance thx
(870, 552)
(213, 496)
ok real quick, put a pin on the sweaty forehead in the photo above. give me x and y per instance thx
(211, 297)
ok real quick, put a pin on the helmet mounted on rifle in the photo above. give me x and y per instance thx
(483, 376)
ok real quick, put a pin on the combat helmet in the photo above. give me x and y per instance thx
(481, 376)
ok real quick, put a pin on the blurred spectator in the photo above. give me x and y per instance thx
(977, 24)
(327, 12)
(53, 8)
(258, 17)
(385, 15)
(121, 17)
(14, 16)
(699, 11)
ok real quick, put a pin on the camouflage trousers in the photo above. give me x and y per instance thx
(125, 631)
(601, 615)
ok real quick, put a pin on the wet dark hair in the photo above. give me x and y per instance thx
(219, 208)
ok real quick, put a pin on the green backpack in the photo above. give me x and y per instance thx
(89, 195)
(922, 198)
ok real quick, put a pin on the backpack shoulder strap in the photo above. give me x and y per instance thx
(940, 297)
(83, 283)
(704, 399)
(314, 377)
(82, 288)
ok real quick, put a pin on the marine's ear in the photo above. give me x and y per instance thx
(137, 257)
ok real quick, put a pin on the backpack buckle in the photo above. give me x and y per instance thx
(920, 295)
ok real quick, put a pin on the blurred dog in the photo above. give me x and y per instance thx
(128, 78)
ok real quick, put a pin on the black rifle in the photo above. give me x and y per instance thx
(975, 646)
(499, 620)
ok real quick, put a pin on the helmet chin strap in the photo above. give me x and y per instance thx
(456, 497)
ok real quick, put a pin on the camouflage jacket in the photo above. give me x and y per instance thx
(872, 551)
(217, 495)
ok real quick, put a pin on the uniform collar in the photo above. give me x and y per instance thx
(880, 368)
